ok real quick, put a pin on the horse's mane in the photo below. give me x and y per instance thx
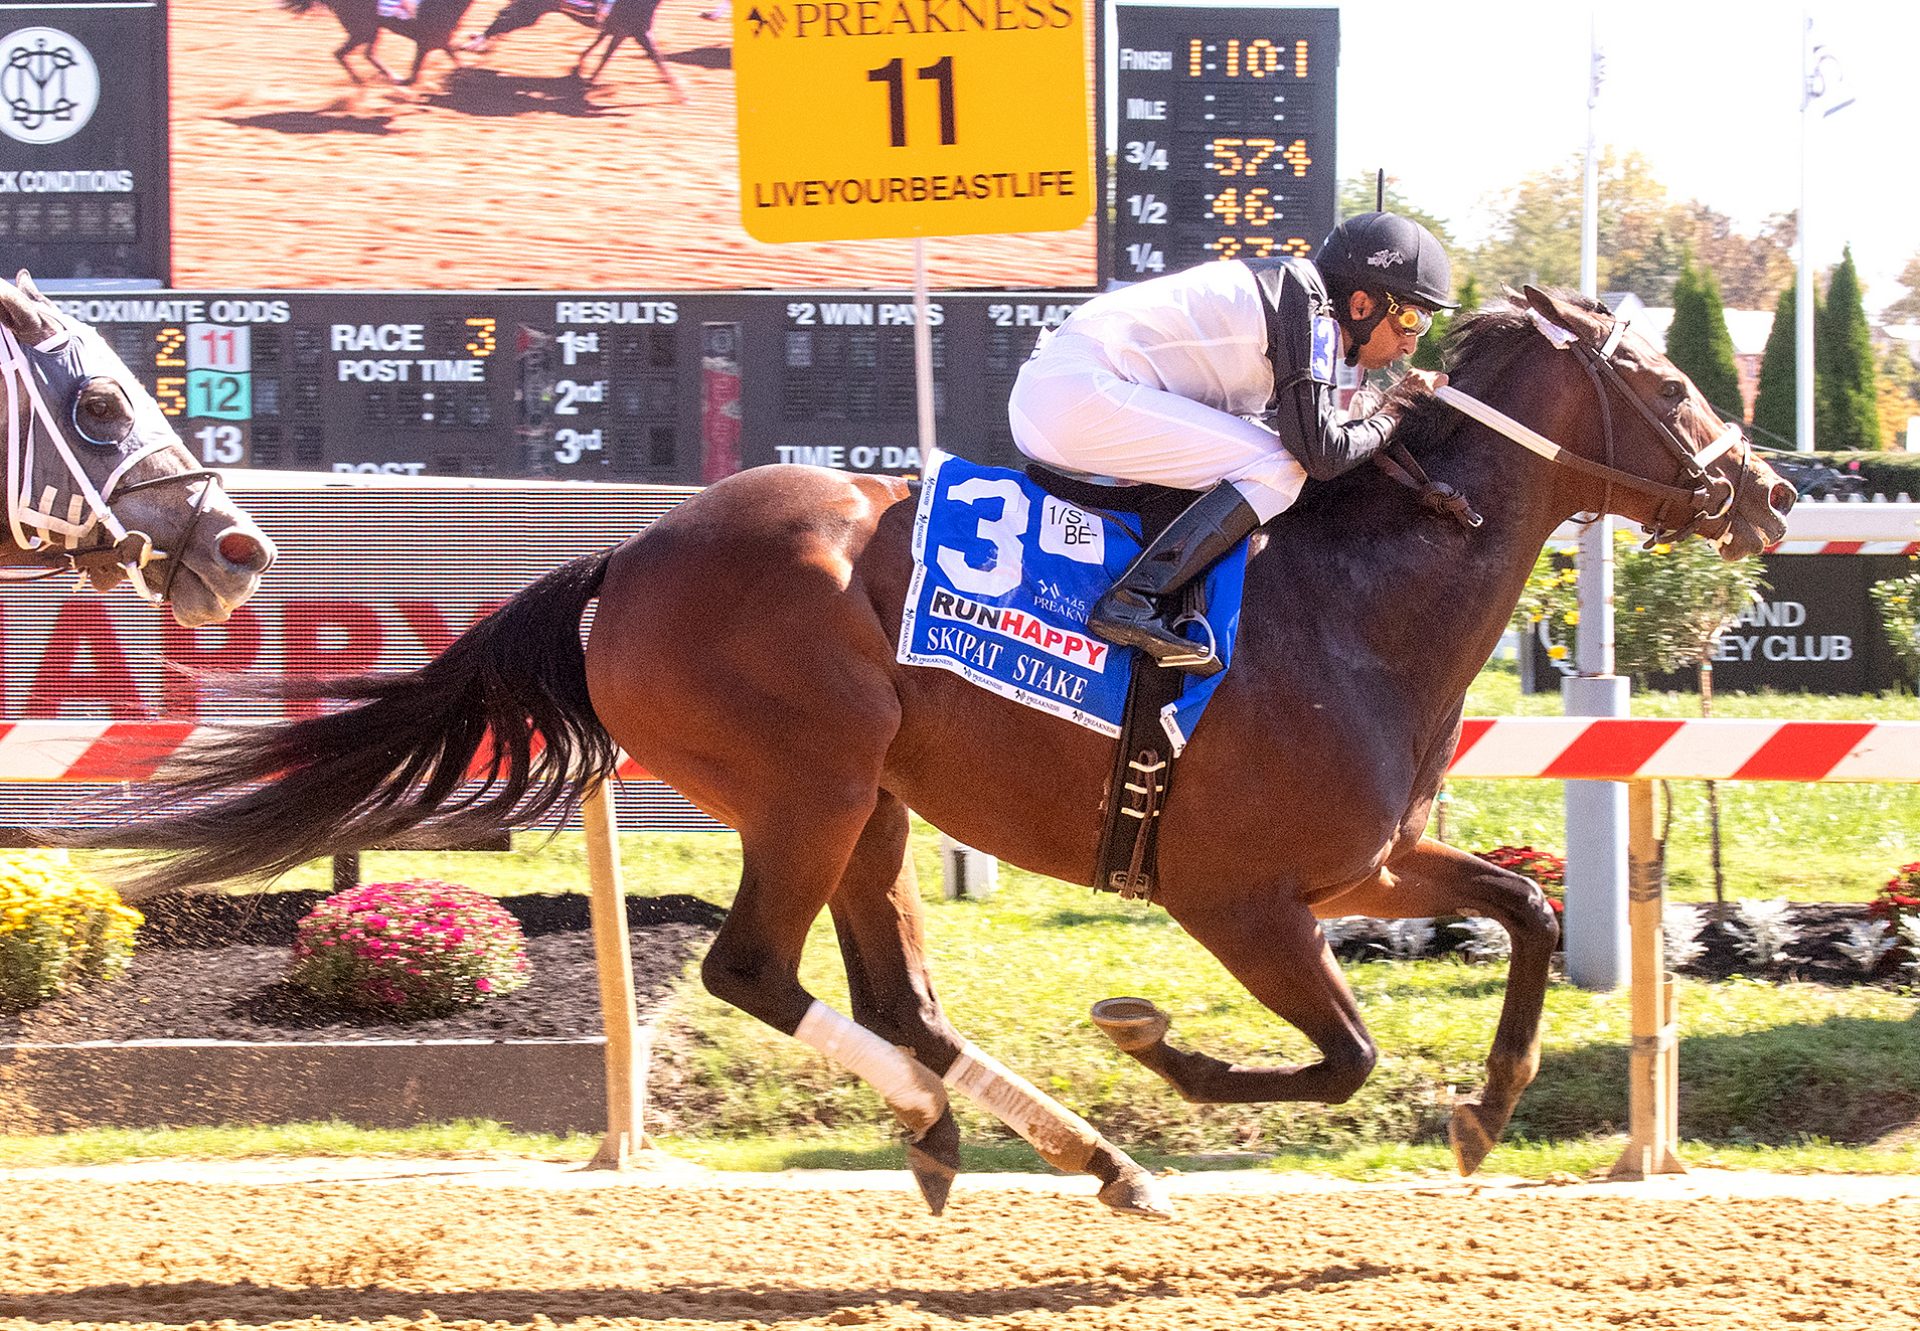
(1480, 348)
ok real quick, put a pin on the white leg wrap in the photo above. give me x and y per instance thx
(913, 1093)
(1064, 1139)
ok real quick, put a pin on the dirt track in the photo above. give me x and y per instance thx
(427, 1243)
(507, 172)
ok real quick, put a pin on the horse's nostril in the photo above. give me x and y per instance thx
(1781, 497)
(240, 549)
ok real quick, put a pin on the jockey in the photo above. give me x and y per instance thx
(1161, 381)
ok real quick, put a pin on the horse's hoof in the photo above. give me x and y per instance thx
(1136, 1192)
(935, 1160)
(1468, 1132)
(1133, 1024)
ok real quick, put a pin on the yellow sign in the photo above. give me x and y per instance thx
(869, 118)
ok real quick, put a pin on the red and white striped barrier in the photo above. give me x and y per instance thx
(1562, 748)
(1632, 749)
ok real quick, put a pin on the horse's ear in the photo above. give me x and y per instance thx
(24, 280)
(1576, 319)
(17, 311)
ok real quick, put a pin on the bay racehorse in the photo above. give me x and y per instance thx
(99, 484)
(613, 22)
(430, 26)
(743, 650)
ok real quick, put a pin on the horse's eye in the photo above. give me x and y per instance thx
(1671, 388)
(101, 415)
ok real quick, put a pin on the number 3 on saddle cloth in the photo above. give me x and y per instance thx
(1004, 574)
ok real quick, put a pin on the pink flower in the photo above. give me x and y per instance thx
(484, 985)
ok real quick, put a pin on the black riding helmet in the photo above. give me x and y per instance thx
(1386, 254)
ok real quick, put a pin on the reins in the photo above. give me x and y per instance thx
(1697, 493)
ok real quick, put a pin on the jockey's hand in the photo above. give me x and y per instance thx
(1416, 380)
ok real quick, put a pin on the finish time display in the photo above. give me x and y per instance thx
(1225, 134)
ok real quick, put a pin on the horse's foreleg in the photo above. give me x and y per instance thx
(878, 917)
(645, 39)
(1272, 945)
(1435, 879)
(580, 65)
(347, 48)
(373, 60)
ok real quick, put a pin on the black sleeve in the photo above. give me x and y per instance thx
(1304, 414)
(1309, 424)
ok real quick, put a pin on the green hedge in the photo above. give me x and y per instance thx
(1885, 473)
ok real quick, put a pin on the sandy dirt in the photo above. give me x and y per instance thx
(506, 172)
(428, 1243)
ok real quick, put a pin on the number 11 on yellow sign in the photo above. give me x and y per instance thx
(861, 119)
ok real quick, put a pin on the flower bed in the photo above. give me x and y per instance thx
(205, 1027)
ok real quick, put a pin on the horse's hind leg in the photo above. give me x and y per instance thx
(878, 916)
(795, 847)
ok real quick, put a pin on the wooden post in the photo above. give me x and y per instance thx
(1653, 1076)
(627, 1046)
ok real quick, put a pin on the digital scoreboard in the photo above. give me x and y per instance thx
(666, 387)
(1224, 125)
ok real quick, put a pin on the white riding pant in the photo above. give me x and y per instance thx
(1071, 408)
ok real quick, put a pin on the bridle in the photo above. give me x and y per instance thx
(57, 526)
(1695, 497)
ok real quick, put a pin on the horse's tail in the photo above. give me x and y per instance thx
(494, 733)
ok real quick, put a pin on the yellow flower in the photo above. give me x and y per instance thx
(1557, 652)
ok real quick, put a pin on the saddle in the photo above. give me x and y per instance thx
(1128, 858)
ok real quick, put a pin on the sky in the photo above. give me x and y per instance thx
(1458, 101)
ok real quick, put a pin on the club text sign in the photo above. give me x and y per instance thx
(870, 118)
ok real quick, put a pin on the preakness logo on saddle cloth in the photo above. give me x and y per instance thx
(1003, 576)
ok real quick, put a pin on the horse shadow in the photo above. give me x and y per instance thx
(316, 122)
(705, 57)
(488, 94)
(248, 1301)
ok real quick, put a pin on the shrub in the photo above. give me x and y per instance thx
(58, 928)
(408, 950)
(1898, 600)
(1543, 866)
(1898, 902)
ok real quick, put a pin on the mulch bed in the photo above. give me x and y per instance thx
(1815, 954)
(213, 967)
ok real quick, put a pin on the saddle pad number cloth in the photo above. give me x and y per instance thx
(1003, 576)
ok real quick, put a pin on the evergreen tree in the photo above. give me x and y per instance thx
(1426, 356)
(1846, 397)
(1773, 404)
(1698, 341)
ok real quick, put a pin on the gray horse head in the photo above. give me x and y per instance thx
(98, 482)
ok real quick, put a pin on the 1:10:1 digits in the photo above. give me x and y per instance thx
(893, 74)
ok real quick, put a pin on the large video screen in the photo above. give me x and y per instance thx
(298, 164)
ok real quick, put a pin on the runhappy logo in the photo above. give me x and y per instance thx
(49, 84)
(1385, 258)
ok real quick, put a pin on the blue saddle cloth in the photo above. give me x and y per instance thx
(1003, 576)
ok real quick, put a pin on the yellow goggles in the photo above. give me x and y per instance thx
(1409, 318)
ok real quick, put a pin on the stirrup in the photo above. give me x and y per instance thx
(1197, 655)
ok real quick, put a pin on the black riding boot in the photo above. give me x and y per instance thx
(1136, 610)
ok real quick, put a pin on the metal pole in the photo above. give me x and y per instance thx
(964, 871)
(1803, 279)
(1596, 915)
(627, 1045)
